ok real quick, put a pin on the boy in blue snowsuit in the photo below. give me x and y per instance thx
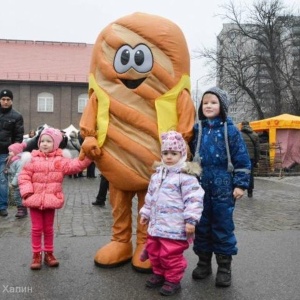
(221, 151)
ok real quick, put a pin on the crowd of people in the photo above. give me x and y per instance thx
(186, 202)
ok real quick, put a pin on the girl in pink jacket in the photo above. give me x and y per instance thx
(40, 183)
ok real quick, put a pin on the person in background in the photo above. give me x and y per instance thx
(15, 166)
(251, 139)
(103, 188)
(11, 131)
(220, 150)
(31, 143)
(31, 134)
(173, 207)
(63, 144)
(47, 164)
(90, 171)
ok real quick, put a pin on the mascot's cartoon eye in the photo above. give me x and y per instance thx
(139, 58)
(125, 57)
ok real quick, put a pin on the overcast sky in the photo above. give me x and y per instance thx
(82, 20)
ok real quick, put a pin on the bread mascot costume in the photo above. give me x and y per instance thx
(138, 88)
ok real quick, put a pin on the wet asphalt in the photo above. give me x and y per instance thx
(266, 267)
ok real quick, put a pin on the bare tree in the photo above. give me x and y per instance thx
(257, 57)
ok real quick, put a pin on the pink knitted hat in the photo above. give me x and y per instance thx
(17, 148)
(173, 140)
(55, 135)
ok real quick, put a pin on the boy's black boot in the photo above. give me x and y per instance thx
(203, 268)
(223, 278)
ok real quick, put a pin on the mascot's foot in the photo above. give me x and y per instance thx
(137, 264)
(113, 255)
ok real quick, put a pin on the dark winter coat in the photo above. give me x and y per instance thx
(213, 151)
(11, 128)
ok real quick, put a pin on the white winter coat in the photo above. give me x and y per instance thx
(174, 198)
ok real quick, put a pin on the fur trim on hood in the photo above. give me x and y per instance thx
(192, 168)
(26, 156)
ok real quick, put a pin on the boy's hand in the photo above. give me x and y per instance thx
(238, 193)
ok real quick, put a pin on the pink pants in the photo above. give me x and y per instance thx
(42, 225)
(166, 257)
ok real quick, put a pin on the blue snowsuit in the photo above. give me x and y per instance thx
(215, 231)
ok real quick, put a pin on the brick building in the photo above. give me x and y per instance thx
(49, 80)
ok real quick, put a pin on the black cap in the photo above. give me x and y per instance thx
(6, 93)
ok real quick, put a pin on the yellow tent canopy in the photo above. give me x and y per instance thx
(284, 121)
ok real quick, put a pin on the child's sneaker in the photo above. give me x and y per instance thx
(155, 281)
(169, 288)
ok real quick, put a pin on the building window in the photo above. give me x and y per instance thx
(45, 102)
(82, 101)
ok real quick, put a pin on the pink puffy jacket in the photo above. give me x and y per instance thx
(41, 178)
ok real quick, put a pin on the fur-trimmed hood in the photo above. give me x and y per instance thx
(26, 156)
(191, 168)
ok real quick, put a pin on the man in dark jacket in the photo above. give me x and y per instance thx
(251, 139)
(11, 131)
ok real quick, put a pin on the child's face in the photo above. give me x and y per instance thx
(210, 106)
(170, 158)
(46, 144)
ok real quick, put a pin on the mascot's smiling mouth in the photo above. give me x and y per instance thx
(133, 84)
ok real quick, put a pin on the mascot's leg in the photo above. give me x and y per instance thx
(141, 236)
(119, 250)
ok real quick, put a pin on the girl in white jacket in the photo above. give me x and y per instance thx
(173, 206)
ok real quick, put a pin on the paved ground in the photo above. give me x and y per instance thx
(267, 266)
